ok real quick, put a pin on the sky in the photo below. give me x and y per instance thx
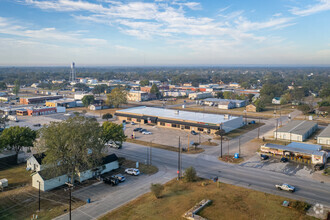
(164, 32)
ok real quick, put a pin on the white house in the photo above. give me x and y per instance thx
(226, 105)
(34, 162)
(47, 182)
(276, 100)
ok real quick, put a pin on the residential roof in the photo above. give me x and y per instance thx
(297, 127)
(325, 133)
(176, 114)
(299, 148)
(110, 158)
(39, 157)
(223, 100)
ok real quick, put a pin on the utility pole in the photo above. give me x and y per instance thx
(276, 129)
(258, 132)
(228, 147)
(188, 143)
(70, 187)
(221, 147)
(179, 160)
(39, 194)
(199, 136)
(150, 155)
(239, 146)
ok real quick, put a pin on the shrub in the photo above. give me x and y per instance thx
(157, 189)
(300, 206)
(189, 175)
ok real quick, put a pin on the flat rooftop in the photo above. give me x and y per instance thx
(325, 133)
(299, 148)
(297, 127)
(223, 100)
(177, 114)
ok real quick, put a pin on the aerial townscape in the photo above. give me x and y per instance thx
(164, 109)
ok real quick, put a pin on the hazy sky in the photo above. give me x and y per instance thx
(164, 32)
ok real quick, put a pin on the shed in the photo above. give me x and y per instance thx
(324, 136)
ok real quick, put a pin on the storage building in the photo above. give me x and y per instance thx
(183, 120)
(296, 130)
(324, 136)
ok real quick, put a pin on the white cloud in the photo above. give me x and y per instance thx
(323, 5)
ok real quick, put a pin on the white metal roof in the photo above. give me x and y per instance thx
(325, 133)
(299, 148)
(178, 114)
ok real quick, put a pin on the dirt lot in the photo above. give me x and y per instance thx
(228, 202)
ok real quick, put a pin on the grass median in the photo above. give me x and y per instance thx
(192, 150)
(228, 202)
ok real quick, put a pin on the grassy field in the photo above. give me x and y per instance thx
(228, 202)
(243, 130)
(20, 199)
(231, 159)
(192, 150)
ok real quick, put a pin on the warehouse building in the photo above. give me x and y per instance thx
(40, 99)
(137, 96)
(309, 153)
(324, 136)
(67, 103)
(296, 130)
(183, 120)
(200, 95)
(217, 102)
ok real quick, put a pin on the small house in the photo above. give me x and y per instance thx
(34, 162)
(251, 108)
(276, 101)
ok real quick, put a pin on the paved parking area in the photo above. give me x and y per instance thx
(166, 136)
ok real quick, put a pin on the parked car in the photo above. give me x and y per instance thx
(284, 160)
(114, 144)
(133, 123)
(193, 133)
(286, 187)
(319, 166)
(142, 130)
(146, 132)
(37, 125)
(111, 180)
(119, 177)
(132, 171)
(137, 129)
(264, 157)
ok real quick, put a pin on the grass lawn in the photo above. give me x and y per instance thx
(192, 150)
(243, 130)
(20, 199)
(231, 159)
(146, 169)
(228, 202)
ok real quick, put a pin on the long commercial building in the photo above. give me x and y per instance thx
(39, 99)
(324, 136)
(296, 130)
(183, 120)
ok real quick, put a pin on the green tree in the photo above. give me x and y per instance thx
(107, 116)
(116, 97)
(219, 95)
(304, 108)
(87, 100)
(113, 131)
(228, 95)
(245, 85)
(15, 138)
(144, 82)
(3, 86)
(157, 189)
(190, 175)
(325, 91)
(260, 106)
(82, 86)
(154, 90)
(98, 89)
(17, 87)
(72, 146)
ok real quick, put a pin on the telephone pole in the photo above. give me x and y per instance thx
(39, 194)
(70, 187)
(179, 162)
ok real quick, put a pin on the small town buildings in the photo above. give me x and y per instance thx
(176, 93)
(183, 120)
(146, 89)
(35, 85)
(215, 101)
(34, 162)
(41, 111)
(67, 103)
(225, 104)
(137, 96)
(200, 95)
(324, 136)
(235, 85)
(276, 100)
(296, 130)
(309, 152)
(251, 108)
(95, 107)
(39, 99)
(49, 182)
(80, 96)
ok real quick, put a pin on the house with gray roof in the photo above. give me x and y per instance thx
(296, 130)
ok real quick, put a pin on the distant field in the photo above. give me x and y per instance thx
(228, 202)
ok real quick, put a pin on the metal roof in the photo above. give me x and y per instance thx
(223, 100)
(299, 148)
(297, 127)
(325, 133)
(214, 119)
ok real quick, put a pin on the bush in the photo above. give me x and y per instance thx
(300, 206)
(157, 189)
(189, 175)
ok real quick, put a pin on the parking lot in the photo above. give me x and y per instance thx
(165, 136)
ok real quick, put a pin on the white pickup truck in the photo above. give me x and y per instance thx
(286, 187)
